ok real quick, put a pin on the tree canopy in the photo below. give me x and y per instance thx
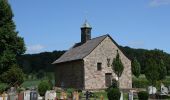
(136, 68)
(151, 72)
(11, 45)
(14, 76)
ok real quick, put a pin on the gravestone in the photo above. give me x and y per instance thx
(130, 95)
(40, 98)
(27, 95)
(121, 96)
(21, 96)
(75, 95)
(12, 97)
(50, 95)
(63, 96)
(152, 90)
(4, 96)
(33, 95)
(164, 90)
(1, 98)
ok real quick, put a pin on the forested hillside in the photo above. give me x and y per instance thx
(142, 55)
(33, 63)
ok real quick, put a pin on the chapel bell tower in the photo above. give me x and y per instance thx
(85, 32)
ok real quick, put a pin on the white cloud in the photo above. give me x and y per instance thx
(35, 48)
(155, 3)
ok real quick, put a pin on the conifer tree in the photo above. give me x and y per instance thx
(11, 45)
(136, 68)
(117, 66)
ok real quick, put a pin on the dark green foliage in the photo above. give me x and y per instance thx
(138, 53)
(3, 87)
(143, 95)
(14, 76)
(43, 87)
(136, 68)
(11, 44)
(143, 54)
(35, 62)
(151, 72)
(117, 66)
(162, 70)
(114, 94)
(70, 91)
(140, 83)
(40, 63)
(40, 74)
(114, 85)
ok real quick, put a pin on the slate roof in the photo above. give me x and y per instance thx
(79, 51)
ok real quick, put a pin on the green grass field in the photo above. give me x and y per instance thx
(31, 83)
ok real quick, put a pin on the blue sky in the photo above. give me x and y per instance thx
(48, 25)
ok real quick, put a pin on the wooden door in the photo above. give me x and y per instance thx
(108, 79)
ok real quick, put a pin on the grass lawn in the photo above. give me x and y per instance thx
(97, 96)
(30, 83)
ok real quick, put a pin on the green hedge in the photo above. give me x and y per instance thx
(140, 83)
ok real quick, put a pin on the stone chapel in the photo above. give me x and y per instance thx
(88, 64)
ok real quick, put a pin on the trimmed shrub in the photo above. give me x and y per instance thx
(114, 85)
(43, 87)
(113, 94)
(143, 95)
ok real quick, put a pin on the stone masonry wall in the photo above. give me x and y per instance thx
(106, 50)
(70, 74)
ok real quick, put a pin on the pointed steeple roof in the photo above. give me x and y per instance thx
(86, 25)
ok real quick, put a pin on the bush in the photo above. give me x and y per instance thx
(114, 85)
(143, 95)
(3, 87)
(140, 83)
(70, 91)
(14, 76)
(43, 87)
(113, 94)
